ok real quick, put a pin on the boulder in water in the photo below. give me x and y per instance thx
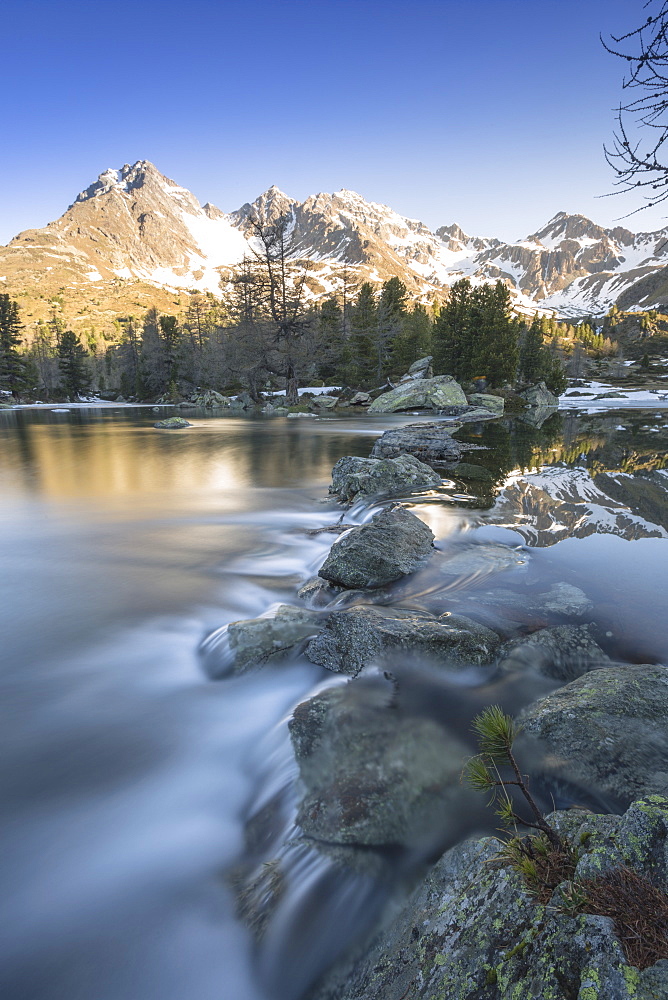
(488, 402)
(392, 544)
(362, 636)
(440, 393)
(251, 642)
(539, 395)
(172, 424)
(354, 477)
(430, 442)
(562, 652)
(372, 777)
(609, 729)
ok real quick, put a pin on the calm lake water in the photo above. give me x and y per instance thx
(126, 773)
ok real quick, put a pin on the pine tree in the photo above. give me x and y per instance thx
(16, 372)
(73, 365)
(363, 334)
(391, 312)
(530, 352)
(331, 340)
(414, 340)
(452, 341)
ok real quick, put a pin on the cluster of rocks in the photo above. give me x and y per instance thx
(380, 755)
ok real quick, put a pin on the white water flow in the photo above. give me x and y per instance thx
(127, 775)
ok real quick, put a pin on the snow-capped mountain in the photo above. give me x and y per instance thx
(135, 238)
(560, 502)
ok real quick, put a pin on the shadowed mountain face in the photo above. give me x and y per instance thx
(135, 238)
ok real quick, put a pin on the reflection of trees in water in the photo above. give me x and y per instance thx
(570, 439)
(100, 454)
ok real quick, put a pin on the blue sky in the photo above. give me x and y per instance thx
(489, 113)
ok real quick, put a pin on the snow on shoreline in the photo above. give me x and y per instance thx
(588, 392)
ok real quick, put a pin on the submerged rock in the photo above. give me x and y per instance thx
(392, 544)
(469, 471)
(429, 442)
(354, 477)
(438, 393)
(355, 638)
(609, 729)
(172, 424)
(373, 777)
(563, 652)
(477, 559)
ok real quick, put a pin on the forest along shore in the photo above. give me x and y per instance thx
(372, 806)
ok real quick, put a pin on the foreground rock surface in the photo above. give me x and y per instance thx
(429, 442)
(609, 727)
(471, 932)
(440, 393)
(353, 477)
(392, 544)
(363, 636)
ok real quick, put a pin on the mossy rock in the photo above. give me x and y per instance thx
(172, 424)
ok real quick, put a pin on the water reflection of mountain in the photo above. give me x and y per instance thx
(579, 475)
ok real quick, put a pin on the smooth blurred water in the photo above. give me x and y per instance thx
(126, 774)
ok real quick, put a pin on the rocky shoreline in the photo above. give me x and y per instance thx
(375, 796)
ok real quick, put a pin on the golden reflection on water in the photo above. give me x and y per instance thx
(103, 460)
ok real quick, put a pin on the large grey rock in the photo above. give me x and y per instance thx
(471, 472)
(438, 393)
(390, 545)
(494, 403)
(609, 729)
(244, 401)
(251, 642)
(172, 424)
(562, 652)
(539, 395)
(472, 932)
(361, 636)
(360, 399)
(430, 442)
(354, 477)
(372, 777)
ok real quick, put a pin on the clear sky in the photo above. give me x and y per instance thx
(489, 113)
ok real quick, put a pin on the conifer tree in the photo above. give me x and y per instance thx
(16, 372)
(452, 338)
(73, 364)
(362, 342)
(331, 340)
(391, 311)
(414, 339)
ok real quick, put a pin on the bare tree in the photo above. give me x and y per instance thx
(284, 287)
(636, 154)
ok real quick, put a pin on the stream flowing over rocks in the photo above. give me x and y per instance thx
(337, 647)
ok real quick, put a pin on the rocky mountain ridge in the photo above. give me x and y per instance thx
(135, 238)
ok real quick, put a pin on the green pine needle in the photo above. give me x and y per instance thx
(496, 733)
